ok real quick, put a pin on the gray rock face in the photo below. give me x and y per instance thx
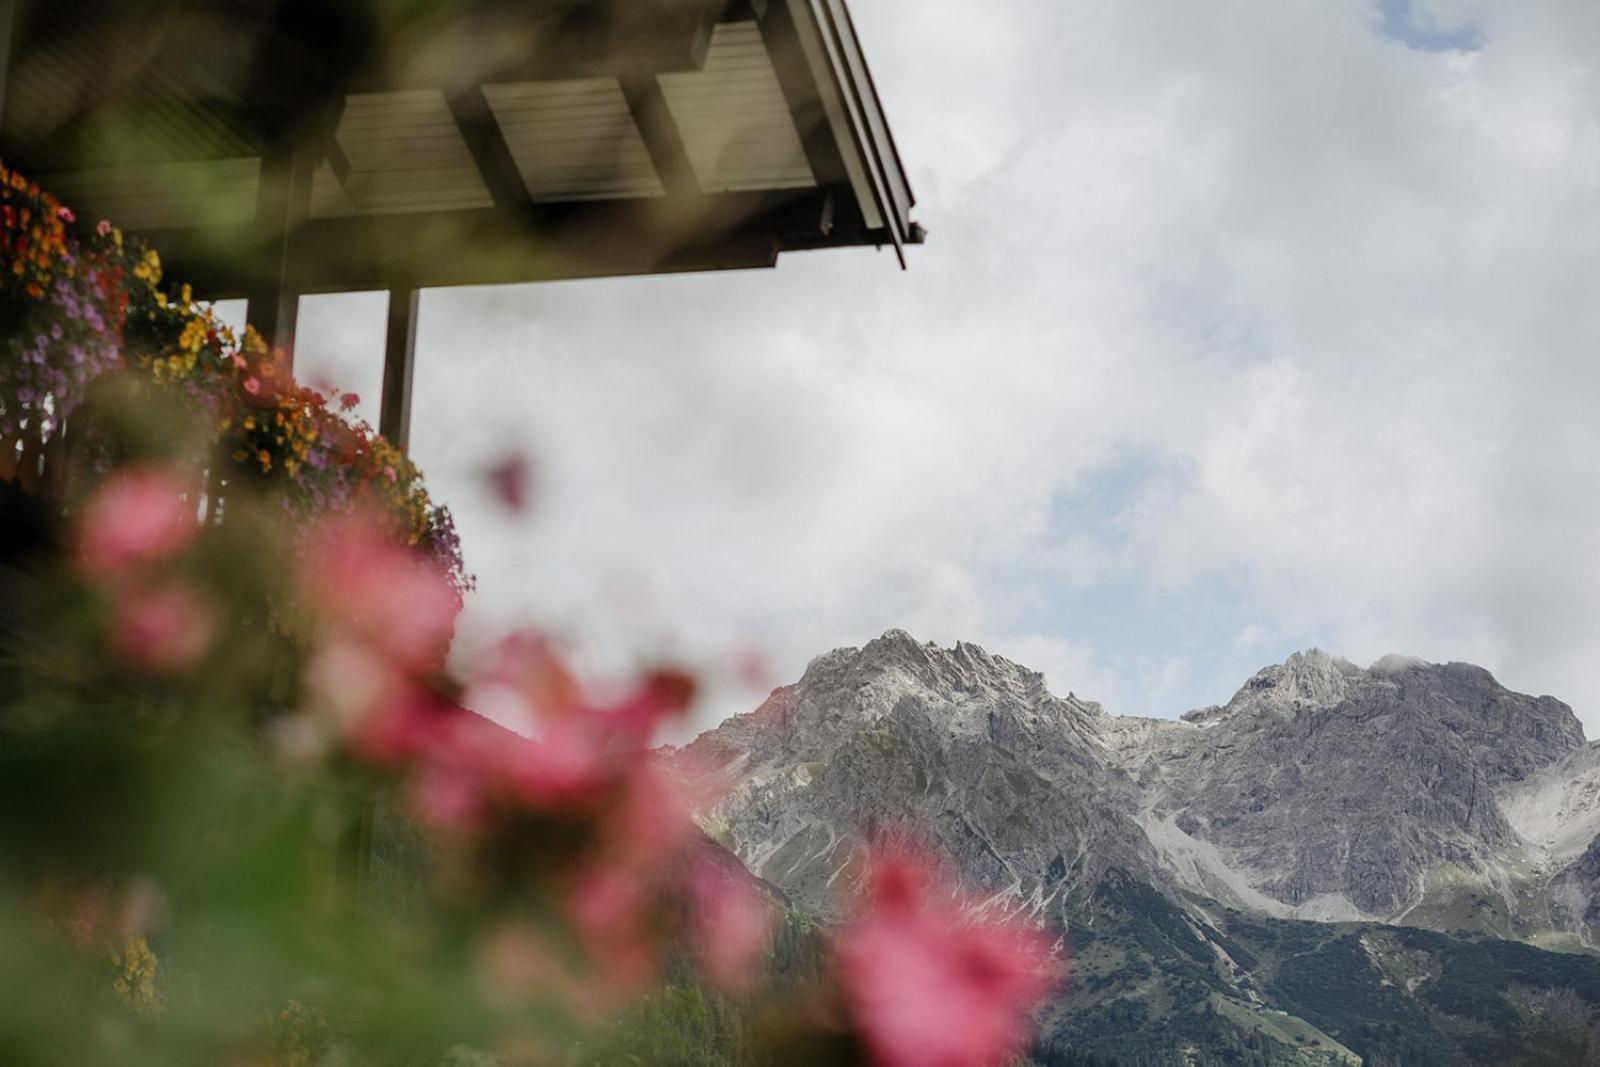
(965, 750)
(1322, 790)
(1342, 788)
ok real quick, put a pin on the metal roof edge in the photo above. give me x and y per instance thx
(865, 129)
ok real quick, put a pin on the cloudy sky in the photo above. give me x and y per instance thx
(1243, 326)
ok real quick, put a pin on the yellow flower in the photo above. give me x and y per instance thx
(193, 336)
(136, 976)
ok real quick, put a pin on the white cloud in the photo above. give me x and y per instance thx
(1326, 301)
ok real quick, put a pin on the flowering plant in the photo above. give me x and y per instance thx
(247, 817)
(94, 302)
(67, 302)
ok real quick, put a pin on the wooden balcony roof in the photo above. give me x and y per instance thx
(375, 144)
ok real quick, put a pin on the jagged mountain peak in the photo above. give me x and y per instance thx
(959, 744)
(1309, 679)
(896, 665)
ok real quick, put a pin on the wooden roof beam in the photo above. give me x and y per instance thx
(490, 152)
(662, 139)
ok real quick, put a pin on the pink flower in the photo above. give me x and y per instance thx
(662, 695)
(927, 985)
(103, 228)
(753, 670)
(372, 589)
(527, 663)
(510, 478)
(650, 817)
(406, 726)
(730, 924)
(447, 797)
(567, 768)
(65, 214)
(252, 385)
(607, 905)
(163, 628)
(348, 681)
(137, 516)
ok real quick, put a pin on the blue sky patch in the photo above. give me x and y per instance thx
(1414, 27)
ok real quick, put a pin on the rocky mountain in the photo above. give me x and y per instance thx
(1325, 791)
(1193, 865)
(1016, 785)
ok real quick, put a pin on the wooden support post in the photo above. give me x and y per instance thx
(283, 203)
(399, 357)
(8, 19)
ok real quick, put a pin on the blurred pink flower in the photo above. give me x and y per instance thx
(137, 516)
(607, 903)
(446, 797)
(527, 663)
(567, 767)
(369, 587)
(752, 668)
(163, 628)
(511, 478)
(664, 694)
(347, 681)
(406, 726)
(929, 986)
(730, 924)
(650, 819)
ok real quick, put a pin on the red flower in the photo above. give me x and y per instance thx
(138, 516)
(927, 984)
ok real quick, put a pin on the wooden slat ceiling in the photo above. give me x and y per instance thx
(405, 153)
(574, 139)
(734, 119)
(714, 140)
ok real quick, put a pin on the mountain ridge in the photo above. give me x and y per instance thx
(1193, 866)
(1398, 770)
